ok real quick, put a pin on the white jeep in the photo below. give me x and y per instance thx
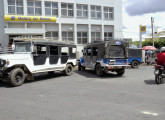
(33, 57)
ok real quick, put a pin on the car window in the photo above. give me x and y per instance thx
(22, 47)
(89, 51)
(53, 50)
(116, 51)
(64, 50)
(40, 49)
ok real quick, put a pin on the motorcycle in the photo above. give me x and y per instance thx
(159, 73)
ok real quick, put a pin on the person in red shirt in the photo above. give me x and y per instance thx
(161, 57)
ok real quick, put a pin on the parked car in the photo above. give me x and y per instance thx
(34, 57)
(135, 57)
(104, 57)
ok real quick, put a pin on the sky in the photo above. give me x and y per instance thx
(139, 12)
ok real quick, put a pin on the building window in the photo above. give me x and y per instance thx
(95, 36)
(82, 37)
(108, 13)
(96, 12)
(51, 8)
(67, 9)
(108, 35)
(52, 35)
(67, 36)
(82, 11)
(34, 7)
(15, 7)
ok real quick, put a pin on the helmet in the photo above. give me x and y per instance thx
(162, 49)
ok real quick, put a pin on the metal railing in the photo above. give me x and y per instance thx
(6, 50)
(39, 38)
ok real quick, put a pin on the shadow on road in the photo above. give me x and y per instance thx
(5, 84)
(150, 82)
(45, 76)
(37, 78)
(92, 74)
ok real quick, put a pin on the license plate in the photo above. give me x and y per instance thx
(156, 72)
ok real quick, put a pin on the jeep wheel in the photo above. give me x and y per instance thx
(79, 66)
(17, 77)
(68, 70)
(121, 72)
(99, 70)
(82, 68)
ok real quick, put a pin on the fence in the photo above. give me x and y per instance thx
(6, 50)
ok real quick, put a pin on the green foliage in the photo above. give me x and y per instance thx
(134, 43)
(158, 42)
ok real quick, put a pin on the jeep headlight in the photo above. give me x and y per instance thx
(2, 62)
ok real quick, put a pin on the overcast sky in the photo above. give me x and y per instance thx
(139, 12)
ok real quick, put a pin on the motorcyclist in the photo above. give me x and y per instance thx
(161, 57)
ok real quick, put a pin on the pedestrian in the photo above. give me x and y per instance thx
(9, 47)
(1, 51)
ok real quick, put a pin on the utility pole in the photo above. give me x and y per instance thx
(152, 21)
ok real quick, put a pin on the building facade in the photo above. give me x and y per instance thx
(79, 21)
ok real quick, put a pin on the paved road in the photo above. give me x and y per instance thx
(84, 96)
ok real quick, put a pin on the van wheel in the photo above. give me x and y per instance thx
(135, 64)
(99, 70)
(16, 77)
(121, 72)
(68, 70)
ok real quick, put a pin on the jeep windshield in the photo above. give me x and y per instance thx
(22, 47)
(116, 51)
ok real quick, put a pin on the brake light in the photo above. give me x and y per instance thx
(157, 66)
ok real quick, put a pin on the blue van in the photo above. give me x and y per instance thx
(135, 57)
(104, 57)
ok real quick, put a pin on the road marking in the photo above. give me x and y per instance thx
(149, 113)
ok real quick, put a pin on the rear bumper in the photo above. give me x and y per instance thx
(116, 67)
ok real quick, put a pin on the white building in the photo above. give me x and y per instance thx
(80, 21)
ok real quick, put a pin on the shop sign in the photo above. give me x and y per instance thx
(29, 18)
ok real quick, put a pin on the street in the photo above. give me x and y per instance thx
(85, 96)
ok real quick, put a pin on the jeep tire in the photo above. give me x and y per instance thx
(79, 66)
(16, 77)
(68, 70)
(121, 72)
(99, 70)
